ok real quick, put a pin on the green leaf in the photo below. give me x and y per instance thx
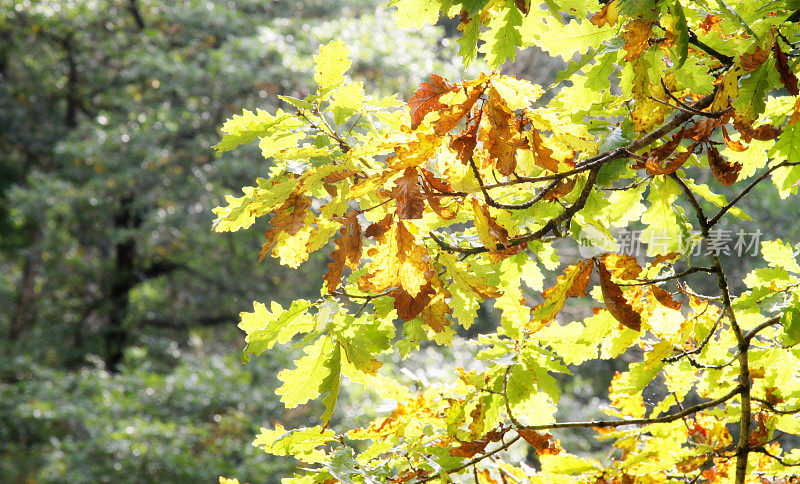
(314, 374)
(264, 328)
(330, 64)
(682, 39)
(301, 443)
(667, 227)
(468, 41)
(529, 406)
(502, 37)
(750, 102)
(363, 338)
(244, 128)
(779, 254)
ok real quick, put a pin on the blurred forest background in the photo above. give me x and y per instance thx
(120, 359)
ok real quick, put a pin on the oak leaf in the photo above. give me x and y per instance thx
(615, 301)
(751, 62)
(450, 116)
(408, 194)
(788, 78)
(542, 443)
(464, 144)
(665, 298)
(637, 35)
(725, 173)
(607, 15)
(409, 307)
(489, 231)
(347, 252)
(572, 283)
(542, 155)
(397, 260)
(622, 266)
(426, 98)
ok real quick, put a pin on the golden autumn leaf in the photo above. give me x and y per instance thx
(489, 231)
(607, 15)
(736, 146)
(542, 155)
(426, 98)
(615, 301)
(347, 252)
(622, 266)
(637, 35)
(435, 313)
(397, 260)
(572, 283)
(450, 116)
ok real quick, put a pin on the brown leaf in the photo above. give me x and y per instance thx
(616, 304)
(469, 449)
(435, 313)
(607, 15)
(711, 22)
(672, 256)
(737, 146)
(665, 298)
(409, 307)
(348, 251)
(542, 443)
(408, 194)
(438, 184)
(501, 135)
(426, 98)
(795, 112)
(542, 155)
(291, 215)
(702, 129)
(523, 5)
(464, 145)
(637, 34)
(339, 176)
(751, 62)
(446, 211)
(379, 228)
(725, 173)
(562, 188)
(788, 78)
(452, 115)
(659, 154)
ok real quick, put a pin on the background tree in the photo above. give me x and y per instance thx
(108, 111)
(458, 199)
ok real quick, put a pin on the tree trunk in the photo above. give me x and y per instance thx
(123, 280)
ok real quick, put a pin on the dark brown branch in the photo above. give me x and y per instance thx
(766, 324)
(640, 421)
(725, 59)
(471, 462)
(749, 187)
(743, 344)
(691, 270)
(774, 409)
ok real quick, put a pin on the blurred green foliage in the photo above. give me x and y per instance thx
(108, 111)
